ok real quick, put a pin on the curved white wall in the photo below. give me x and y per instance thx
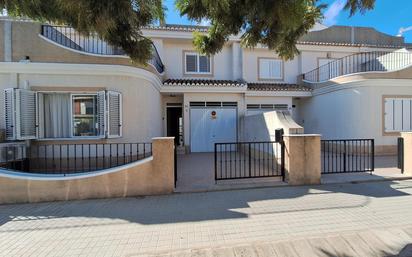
(351, 110)
(142, 113)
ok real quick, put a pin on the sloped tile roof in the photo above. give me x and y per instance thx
(276, 87)
(203, 83)
(332, 36)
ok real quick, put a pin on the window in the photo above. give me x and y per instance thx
(84, 115)
(398, 114)
(195, 63)
(270, 69)
(31, 115)
(253, 109)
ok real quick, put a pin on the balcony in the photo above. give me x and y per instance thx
(358, 63)
(91, 44)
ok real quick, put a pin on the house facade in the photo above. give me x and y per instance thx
(60, 86)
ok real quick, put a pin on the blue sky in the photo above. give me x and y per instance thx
(387, 16)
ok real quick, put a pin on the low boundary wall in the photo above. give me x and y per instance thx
(150, 176)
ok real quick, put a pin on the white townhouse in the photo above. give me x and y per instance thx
(59, 86)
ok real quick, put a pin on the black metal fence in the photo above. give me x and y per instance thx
(360, 62)
(401, 154)
(249, 160)
(72, 158)
(92, 43)
(348, 155)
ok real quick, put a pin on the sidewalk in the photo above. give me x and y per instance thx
(224, 220)
(377, 242)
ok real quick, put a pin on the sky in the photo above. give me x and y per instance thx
(386, 17)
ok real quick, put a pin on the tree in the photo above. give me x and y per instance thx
(118, 22)
(275, 23)
(278, 24)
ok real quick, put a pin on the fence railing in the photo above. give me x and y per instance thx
(249, 160)
(69, 37)
(71, 158)
(360, 62)
(349, 155)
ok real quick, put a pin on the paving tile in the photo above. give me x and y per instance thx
(348, 218)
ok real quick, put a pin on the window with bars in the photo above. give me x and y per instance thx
(197, 64)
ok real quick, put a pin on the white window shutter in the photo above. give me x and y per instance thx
(101, 113)
(114, 117)
(26, 114)
(264, 72)
(21, 114)
(10, 113)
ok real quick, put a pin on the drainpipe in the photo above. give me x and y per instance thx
(7, 40)
(236, 61)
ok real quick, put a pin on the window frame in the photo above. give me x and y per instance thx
(72, 115)
(198, 72)
(386, 132)
(282, 69)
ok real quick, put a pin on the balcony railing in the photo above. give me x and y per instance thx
(92, 44)
(361, 62)
(70, 158)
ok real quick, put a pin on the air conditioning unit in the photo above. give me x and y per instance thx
(12, 152)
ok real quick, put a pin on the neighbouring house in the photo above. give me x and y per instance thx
(60, 86)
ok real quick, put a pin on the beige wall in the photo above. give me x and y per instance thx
(142, 102)
(26, 41)
(250, 66)
(310, 59)
(152, 176)
(302, 159)
(174, 61)
(1, 41)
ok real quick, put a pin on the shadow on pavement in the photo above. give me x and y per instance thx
(235, 204)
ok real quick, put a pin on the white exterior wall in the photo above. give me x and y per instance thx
(352, 110)
(250, 66)
(142, 103)
(310, 58)
(5, 82)
(174, 61)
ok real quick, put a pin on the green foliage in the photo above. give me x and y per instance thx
(278, 24)
(116, 21)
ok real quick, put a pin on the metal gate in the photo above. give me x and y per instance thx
(348, 155)
(241, 160)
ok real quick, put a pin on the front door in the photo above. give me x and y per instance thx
(174, 123)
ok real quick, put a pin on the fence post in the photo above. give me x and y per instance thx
(407, 152)
(302, 159)
(215, 163)
(344, 156)
(400, 154)
(250, 160)
(373, 154)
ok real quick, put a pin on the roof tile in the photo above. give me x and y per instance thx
(203, 83)
(276, 87)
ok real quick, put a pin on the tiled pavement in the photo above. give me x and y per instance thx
(342, 219)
